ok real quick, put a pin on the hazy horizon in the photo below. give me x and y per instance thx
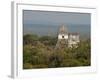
(48, 22)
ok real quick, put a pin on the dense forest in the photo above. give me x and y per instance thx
(40, 52)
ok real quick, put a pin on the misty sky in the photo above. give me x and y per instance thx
(40, 22)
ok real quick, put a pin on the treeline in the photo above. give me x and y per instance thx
(39, 52)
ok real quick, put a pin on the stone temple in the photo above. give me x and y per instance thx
(66, 39)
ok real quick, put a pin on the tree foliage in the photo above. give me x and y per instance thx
(39, 52)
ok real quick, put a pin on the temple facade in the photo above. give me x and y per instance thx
(66, 39)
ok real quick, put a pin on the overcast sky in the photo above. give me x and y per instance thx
(41, 21)
(35, 17)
